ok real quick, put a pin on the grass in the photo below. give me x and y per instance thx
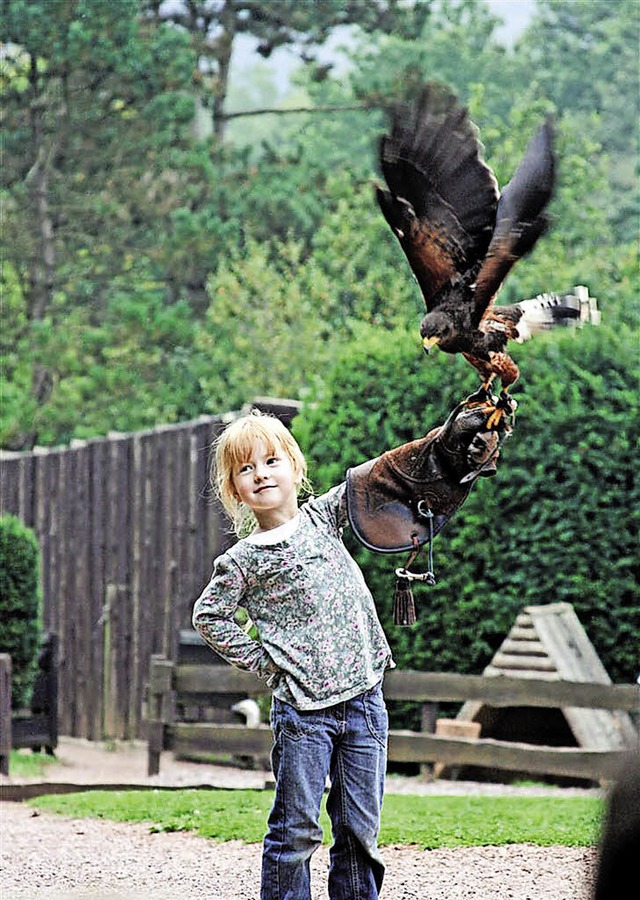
(27, 764)
(428, 822)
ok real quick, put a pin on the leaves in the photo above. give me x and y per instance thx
(559, 521)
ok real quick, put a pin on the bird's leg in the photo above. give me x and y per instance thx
(505, 406)
(482, 396)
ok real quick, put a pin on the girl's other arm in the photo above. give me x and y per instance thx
(214, 619)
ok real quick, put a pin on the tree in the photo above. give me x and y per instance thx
(215, 24)
(584, 56)
(91, 99)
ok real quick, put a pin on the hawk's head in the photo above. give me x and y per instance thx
(438, 329)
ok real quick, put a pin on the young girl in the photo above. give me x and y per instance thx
(322, 650)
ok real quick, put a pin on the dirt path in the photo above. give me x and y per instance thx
(48, 856)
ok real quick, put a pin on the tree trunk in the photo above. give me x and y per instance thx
(37, 180)
(42, 264)
(223, 51)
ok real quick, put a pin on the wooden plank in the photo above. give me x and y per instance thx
(215, 679)
(51, 598)
(121, 578)
(592, 765)
(413, 747)
(42, 526)
(89, 704)
(219, 535)
(201, 502)
(525, 647)
(65, 600)
(160, 675)
(523, 633)
(9, 483)
(185, 591)
(26, 489)
(532, 663)
(236, 740)
(5, 712)
(138, 498)
(490, 671)
(436, 687)
(169, 564)
(508, 691)
(96, 567)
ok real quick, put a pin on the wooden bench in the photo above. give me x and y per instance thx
(170, 684)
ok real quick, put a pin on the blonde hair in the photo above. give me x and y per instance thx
(234, 446)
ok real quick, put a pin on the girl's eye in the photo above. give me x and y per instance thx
(245, 468)
(272, 460)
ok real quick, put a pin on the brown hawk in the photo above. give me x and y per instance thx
(461, 235)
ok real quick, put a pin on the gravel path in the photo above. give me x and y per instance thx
(48, 856)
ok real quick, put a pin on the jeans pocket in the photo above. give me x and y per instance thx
(376, 716)
(295, 723)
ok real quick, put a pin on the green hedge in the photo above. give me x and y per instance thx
(21, 630)
(557, 523)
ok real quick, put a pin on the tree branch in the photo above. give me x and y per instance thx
(300, 109)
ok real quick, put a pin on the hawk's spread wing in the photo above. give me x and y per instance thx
(520, 219)
(442, 198)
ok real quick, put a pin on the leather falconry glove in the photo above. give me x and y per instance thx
(402, 499)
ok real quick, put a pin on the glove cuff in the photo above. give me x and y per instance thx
(390, 499)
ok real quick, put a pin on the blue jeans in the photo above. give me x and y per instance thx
(348, 742)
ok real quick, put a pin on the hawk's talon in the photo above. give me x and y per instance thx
(481, 397)
(507, 403)
(493, 422)
(505, 407)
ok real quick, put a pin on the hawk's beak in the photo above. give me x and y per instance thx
(430, 342)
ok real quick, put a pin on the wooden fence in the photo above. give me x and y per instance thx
(127, 534)
(173, 688)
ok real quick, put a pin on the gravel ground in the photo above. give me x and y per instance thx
(48, 856)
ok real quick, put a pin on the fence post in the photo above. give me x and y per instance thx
(158, 709)
(52, 696)
(5, 712)
(428, 717)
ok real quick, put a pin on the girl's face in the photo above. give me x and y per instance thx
(267, 483)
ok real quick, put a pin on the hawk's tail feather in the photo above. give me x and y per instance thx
(550, 310)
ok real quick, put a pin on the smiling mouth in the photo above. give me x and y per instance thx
(263, 487)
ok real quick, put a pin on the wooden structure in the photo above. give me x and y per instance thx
(549, 643)
(128, 530)
(170, 683)
(127, 533)
(38, 727)
(5, 712)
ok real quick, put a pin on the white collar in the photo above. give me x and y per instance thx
(277, 534)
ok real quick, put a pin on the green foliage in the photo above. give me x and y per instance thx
(263, 324)
(144, 267)
(428, 822)
(559, 521)
(19, 605)
(601, 84)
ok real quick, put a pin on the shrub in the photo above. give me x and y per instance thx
(557, 523)
(21, 630)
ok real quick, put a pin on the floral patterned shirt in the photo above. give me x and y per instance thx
(321, 641)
